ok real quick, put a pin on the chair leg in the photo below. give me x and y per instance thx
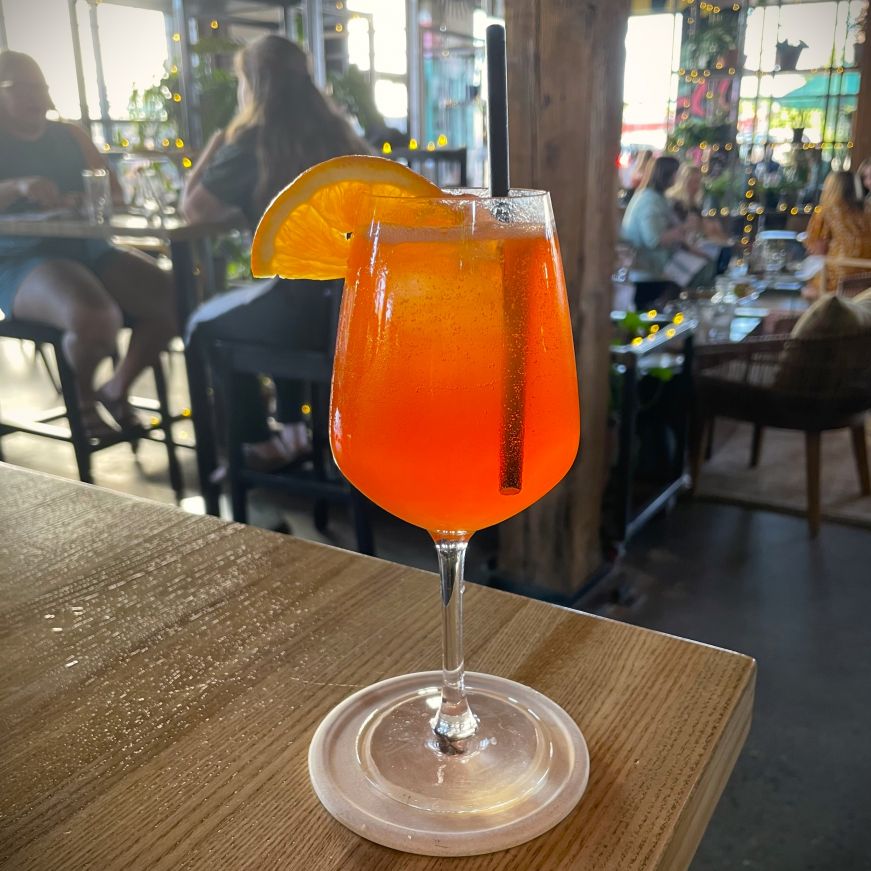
(860, 452)
(362, 526)
(321, 515)
(78, 436)
(812, 462)
(238, 499)
(175, 476)
(756, 448)
(709, 440)
(40, 351)
(699, 429)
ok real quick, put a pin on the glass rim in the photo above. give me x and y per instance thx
(482, 195)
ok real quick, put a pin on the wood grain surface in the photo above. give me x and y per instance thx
(565, 80)
(163, 674)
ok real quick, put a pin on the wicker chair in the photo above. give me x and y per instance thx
(812, 385)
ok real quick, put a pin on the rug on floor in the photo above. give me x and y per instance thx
(778, 482)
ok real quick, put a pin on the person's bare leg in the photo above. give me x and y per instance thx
(66, 295)
(145, 293)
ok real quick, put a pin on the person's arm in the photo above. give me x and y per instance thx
(95, 160)
(818, 235)
(656, 225)
(200, 206)
(198, 203)
(195, 176)
(39, 191)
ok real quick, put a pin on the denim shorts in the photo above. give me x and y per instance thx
(19, 259)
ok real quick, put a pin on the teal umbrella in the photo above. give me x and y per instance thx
(813, 92)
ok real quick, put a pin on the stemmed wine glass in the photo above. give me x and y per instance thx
(454, 406)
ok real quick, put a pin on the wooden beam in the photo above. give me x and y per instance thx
(862, 120)
(565, 92)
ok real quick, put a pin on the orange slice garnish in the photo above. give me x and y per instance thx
(306, 230)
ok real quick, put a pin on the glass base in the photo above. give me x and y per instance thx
(378, 767)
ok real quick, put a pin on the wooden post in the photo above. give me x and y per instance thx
(565, 93)
(862, 121)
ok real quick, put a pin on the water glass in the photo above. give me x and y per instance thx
(98, 195)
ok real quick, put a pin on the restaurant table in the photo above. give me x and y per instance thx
(180, 236)
(163, 674)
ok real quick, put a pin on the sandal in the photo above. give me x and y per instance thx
(122, 412)
(95, 426)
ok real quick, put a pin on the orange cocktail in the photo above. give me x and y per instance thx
(426, 353)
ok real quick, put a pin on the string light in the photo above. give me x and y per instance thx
(412, 144)
(745, 240)
(724, 211)
(339, 28)
(442, 141)
(678, 318)
(793, 211)
(671, 332)
(214, 24)
(164, 143)
(176, 98)
(176, 37)
(386, 148)
(186, 162)
(430, 146)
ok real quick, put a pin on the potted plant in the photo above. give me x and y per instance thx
(717, 42)
(692, 133)
(721, 190)
(787, 55)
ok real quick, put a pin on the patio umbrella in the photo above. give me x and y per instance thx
(814, 91)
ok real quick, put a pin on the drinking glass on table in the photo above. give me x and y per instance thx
(97, 195)
(454, 406)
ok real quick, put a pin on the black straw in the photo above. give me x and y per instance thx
(514, 315)
(497, 110)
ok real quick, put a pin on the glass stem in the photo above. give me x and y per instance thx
(455, 721)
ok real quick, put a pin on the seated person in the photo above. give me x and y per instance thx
(283, 126)
(85, 287)
(653, 229)
(705, 234)
(841, 228)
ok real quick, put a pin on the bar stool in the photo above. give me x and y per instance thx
(46, 425)
(317, 478)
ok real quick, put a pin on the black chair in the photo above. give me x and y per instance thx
(84, 446)
(318, 477)
(446, 167)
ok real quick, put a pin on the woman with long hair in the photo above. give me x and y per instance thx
(283, 126)
(863, 175)
(84, 287)
(841, 228)
(685, 195)
(652, 228)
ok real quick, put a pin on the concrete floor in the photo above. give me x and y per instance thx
(800, 796)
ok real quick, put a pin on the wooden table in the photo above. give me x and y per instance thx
(163, 674)
(181, 237)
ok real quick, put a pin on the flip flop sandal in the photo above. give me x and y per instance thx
(95, 426)
(122, 412)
